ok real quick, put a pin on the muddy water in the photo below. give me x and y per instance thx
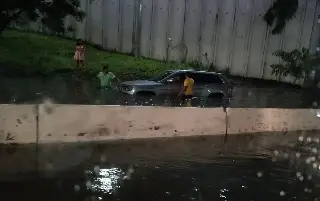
(278, 166)
(79, 91)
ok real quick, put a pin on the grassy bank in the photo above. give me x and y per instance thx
(29, 54)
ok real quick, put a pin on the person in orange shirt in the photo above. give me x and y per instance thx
(187, 90)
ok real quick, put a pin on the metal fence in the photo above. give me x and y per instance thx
(230, 34)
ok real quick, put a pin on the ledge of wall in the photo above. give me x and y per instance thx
(52, 123)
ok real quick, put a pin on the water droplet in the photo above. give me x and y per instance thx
(96, 169)
(314, 150)
(88, 184)
(282, 193)
(309, 139)
(76, 188)
(301, 178)
(309, 177)
(308, 161)
(275, 152)
(286, 155)
(259, 174)
(315, 165)
(298, 174)
(103, 159)
(301, 138)
(298, 155)
(306, 190)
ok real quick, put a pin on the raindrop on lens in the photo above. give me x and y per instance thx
(96, 169)
(308, 139)
(315, 165)
(76, 188)
(309, 177)
(88, 184)
(301, 138)
(282, 193)
(259, 174)
(301, 178)
(286, 155)
(298, 155)
(275, 152)
(317, 140)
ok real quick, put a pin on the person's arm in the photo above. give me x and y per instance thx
(184, 88)
(115, 78)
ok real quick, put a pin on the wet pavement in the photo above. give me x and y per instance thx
(79, 91)
(277, 166)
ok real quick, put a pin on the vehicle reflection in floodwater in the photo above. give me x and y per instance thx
(264, 167)
(80, 91)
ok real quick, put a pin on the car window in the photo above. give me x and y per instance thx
(177, 78)
(207, 78)
(162, 76)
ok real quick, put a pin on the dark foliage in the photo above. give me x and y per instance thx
(280, 13)
(50, 13)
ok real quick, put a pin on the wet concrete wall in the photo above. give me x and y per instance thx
(230, 34)
(53, 123)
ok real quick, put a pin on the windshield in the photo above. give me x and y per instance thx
(161, 77)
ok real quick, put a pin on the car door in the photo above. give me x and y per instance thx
(173, 84)
(199, 84)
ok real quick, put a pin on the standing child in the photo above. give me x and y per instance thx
(79, 53)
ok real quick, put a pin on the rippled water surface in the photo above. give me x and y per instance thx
(277, 166)
(79, 91)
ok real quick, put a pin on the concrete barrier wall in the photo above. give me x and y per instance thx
(51, 123)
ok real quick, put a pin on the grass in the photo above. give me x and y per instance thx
(24, 53)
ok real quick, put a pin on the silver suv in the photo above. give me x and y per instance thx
(206, 84)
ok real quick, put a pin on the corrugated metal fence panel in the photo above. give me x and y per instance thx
(308, 23)
(146, 26)
(81, 26)
(96, 18)
(191, 28)
(127, 20)
(242, 29)
(177, 14)
(226, 19)
(316, 29)
(112, 20)
(257, 40)
(160, 26)
(208, 31)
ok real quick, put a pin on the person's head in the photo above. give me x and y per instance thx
(79, 42)
(105, 68)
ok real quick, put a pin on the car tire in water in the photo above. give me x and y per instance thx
(144, 98)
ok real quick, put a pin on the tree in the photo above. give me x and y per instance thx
(51, 13)
(297, 63)
(279, 13)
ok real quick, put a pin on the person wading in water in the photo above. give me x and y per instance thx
(187, 90)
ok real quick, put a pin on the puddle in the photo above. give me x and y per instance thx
(266, 166)
(75, 91)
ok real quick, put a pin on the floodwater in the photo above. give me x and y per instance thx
(79, 91)
(265, 166)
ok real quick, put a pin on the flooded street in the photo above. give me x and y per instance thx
(278, 166)
(78, 91)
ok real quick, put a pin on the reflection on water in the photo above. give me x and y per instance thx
(266, 166)
(80, 91)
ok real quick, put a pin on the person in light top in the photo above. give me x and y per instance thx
(106, 78)
(79, 53)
